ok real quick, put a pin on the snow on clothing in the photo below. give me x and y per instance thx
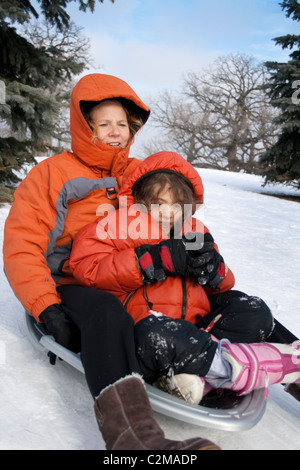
(167, 345)
(103, 253)
(60, 195)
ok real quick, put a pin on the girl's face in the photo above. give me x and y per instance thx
(164, 210)
(110, 124)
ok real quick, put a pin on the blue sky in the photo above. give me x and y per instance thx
(152, 43)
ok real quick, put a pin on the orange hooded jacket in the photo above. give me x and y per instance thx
(61, 194)
(103, 254)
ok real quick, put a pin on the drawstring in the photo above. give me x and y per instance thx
(145, 295)
(212, 323)
(266, 393)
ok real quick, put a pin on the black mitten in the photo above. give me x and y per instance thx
(61, 327)
(206, 264)
(158, 261)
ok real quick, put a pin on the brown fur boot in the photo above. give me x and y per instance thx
(126, 421)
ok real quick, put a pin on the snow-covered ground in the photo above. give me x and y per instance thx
(44, 407)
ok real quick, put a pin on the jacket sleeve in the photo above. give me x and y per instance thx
(31, 218)
(103, 254)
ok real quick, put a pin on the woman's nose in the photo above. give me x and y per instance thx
(114, 130)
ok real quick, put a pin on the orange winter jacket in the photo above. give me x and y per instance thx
(61, 194)
(103, 253)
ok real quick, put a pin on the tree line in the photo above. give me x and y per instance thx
(221, 118)
(238, 115)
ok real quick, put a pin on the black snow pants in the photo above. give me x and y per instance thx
(107, 335)
(165, 345)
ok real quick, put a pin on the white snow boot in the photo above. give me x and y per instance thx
(188, 387)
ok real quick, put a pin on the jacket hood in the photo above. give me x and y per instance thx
(89, 90)
(168, 161)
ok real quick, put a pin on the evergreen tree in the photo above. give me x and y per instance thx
(31, 75)
(281, 163)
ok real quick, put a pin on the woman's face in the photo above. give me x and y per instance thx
(110, 124)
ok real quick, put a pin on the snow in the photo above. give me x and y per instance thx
(46, 407)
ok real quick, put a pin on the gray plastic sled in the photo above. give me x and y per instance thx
(224, 413)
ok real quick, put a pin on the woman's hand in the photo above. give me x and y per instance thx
(61, 327)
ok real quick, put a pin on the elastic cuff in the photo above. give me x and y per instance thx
(43, 302)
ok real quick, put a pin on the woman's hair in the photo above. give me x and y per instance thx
(147, 190)
(134, 121)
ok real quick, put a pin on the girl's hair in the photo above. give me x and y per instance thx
(147, 189)
(134, 121)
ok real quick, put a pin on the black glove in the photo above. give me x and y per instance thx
(184, 257)
(206, 264)
(61, 327)
(165, 258)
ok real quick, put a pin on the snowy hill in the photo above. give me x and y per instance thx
(44, 407)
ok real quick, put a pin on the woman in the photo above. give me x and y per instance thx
(58, 197)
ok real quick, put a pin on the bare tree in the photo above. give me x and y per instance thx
(69, 41)
(222, 118)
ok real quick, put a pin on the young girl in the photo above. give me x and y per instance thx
(175, 288)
